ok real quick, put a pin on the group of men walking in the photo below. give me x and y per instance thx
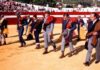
(69, 24)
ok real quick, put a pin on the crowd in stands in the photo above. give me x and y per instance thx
(9, 6)
(13, 6)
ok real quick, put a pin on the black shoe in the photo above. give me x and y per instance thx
(4, 43)
(24, 44)
(54, 49)
(6, 35)
(78, 39)
(86, 63)
(0, 43)
(96, 62)
(21, 46)
(54, 46)
(62, 56)
(45, 52)
(38, 46)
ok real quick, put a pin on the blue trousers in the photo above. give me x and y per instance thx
(20, 32)
(36, 34)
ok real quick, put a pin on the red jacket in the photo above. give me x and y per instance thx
(71, 20)
(49, 19)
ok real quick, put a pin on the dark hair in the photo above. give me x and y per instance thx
(18, 14)
(66, 15)
(47, 12)
(96, 15)
(35, 15)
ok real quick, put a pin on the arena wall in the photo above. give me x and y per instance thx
(12, 20)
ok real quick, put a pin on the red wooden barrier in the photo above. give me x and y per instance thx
(11, 16)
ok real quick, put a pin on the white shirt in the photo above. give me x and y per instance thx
(94, 21)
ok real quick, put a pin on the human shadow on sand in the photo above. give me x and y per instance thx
(30, 40)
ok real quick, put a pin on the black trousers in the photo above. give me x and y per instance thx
(2, 35)
(36, 34)
(78, 29)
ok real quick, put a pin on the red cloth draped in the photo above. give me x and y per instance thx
(71, 20)
(49, 19)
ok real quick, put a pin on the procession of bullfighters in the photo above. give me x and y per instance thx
(49, 34)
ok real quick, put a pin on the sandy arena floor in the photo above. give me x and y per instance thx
(12, 57)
